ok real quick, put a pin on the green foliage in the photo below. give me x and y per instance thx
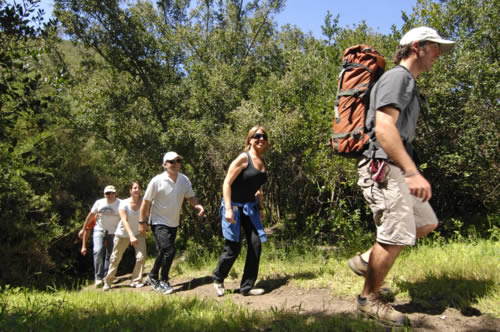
(142, 78)
(45, 181)
(463, 90)
(26, 93)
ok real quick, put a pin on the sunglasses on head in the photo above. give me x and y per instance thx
(260, 136)
(175, 161)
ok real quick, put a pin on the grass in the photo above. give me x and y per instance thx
(25, 310)
(432, 276)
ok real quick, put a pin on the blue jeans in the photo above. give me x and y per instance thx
(102, 252)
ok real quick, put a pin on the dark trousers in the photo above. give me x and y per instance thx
(232, 250)
(165, 242)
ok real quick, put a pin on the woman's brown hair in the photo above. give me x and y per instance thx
(251, 134)
(135, 182)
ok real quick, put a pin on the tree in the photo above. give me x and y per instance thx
(463, 90)
(26, 95)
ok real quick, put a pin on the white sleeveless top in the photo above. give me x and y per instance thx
(132, 218)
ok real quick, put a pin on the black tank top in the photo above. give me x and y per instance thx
(247, 183)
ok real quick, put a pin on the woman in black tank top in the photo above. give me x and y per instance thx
(242, 207)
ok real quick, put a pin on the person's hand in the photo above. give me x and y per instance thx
(200, 209)
(229, 215)
(80, 234)
(83, 251)
(143, 228)
(419, 187)
(133, 240)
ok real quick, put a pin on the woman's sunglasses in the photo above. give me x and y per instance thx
(260, 136)
(176, 161)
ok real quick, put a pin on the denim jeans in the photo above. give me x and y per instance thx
(232, 250)
(165, 242)
(102, 252)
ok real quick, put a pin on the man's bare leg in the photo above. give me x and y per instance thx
(424, 230)
(421, 232)
(381, 260)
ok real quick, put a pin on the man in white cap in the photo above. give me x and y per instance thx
(108, 218)
(395, 190)
(162, 205)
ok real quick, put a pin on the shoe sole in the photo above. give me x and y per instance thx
(354, 269)
(384, 321)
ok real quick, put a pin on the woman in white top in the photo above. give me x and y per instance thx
(128, 232)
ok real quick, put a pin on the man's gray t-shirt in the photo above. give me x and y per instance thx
(396, 88)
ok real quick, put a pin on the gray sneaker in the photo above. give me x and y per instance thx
(358, 265)
(155, 283)
(166, 288)
(376, 308)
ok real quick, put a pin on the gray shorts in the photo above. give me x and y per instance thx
(396, 212)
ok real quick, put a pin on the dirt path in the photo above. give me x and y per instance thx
(287, 296)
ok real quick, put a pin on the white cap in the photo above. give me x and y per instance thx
(427, 34)
(109, 189)
(170, 156)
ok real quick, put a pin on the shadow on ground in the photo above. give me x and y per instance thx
(192, 284)
(434, 294)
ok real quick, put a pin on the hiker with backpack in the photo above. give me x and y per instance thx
(392, 184)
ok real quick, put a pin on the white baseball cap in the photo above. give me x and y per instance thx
(109, 189)
(427, 34)
(170, 156)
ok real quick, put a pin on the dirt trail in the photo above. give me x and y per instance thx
(284, 295)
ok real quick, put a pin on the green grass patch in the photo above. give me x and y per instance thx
(25, 310)
(432, 276)
(464, 275)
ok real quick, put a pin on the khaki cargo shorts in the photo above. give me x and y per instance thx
(396, 212)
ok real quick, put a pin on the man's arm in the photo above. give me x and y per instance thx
(390, 140)
(194, 203)
(85, 237)
(89, 218)
(144, 216)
